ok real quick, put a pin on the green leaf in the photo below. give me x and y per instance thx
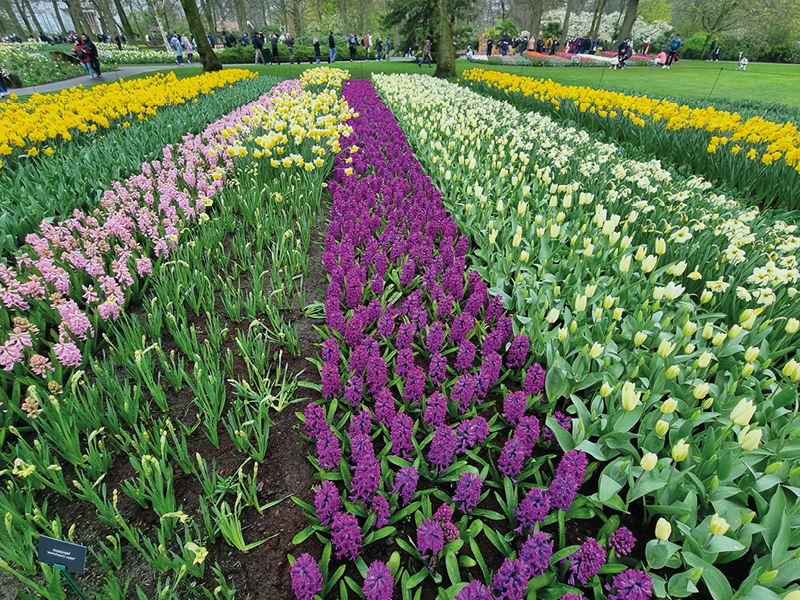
(563, 553)
(720, 543)
(303, 535)
(717, 583)
(564, 439)
(498, 541)
(555, 384)
(417, 579)
(451, 562)
(608, 487)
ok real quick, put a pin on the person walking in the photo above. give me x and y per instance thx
(711, 49)
(646, 46)
(177, 48)
(332, 47)
(717, 52)
(672, 50)
(188, 50)
(505, 41)
(489, 44)
(378, 47)
(273, 40)
(387, 48)
(94, 57)
(3, 85)
(290, 46)
(351, 43)
(82, 54)
(258, 44)
(426, 52)
(317, 52)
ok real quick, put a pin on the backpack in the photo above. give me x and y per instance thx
(80, 53)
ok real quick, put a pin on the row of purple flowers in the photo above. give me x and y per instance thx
(406, 321)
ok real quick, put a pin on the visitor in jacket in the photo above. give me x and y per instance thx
(332, 46)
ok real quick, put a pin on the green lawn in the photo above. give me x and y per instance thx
(689, 79)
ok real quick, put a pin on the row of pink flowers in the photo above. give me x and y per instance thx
(77, 274)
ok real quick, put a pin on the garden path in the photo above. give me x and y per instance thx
(76, 81)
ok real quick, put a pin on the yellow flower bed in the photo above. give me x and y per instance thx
(41, 122)
(757, 138)
(324, 77)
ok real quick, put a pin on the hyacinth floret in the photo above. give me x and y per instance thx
(378, 582)
(471, 432)
(366, 479)
(328, 449)
(468, 491)
(402, 430)
(512, 456)
(475, 590)
(586, 562)
(405, 484)
(443, 447)
(518, 352)
(327, 502)
(330, 352)
(360, 423)
(380, 506)
(535, 506)
(315, 420)
(466, 356)
(563, 420)
(331, 382)
(534, 380)
(631, 584)
(385, 409)
(430, 538)
(537, 552)
(622, 541)
(511, 580)
(306, 577)
(354, 390)
(346, 536)
(514, 407)
(437, 370)
(489, 373)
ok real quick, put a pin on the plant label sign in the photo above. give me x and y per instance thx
(59, 552)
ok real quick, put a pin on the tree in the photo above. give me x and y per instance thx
(714, 16)
(629, 20)
(13, 23)
(209, 59)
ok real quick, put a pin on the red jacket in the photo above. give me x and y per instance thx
(82, 47)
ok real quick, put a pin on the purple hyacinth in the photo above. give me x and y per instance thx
(444, 514)
(468, 491)
(435, 410)
(404, 362)
(385, 409)
(534, 380)
(354, 390)
(366, 479)
(622, 541)
(471, 432)
(361, 448)
(346, 536)
(414, 385)
(435, 338)
(306, 577)
(443, 447)
(586, 562)
(573, 464)
(511, 580)
(330, 352)
(327, 502)
(494, 309)
(465, 357)
(464, 391)
(378, 582)
(437, 370)
(386, 322)
(527, 431)
(328, 450)
(405, 335)
(537, 552)
(360, 423)
(430, 538)
(405, 484)
(402, 430)
(461, 326)
(475, 590)
(358, 359)
(514, 407)
(563, 420)
(562, 491)
(490, 372)
(354, 332)
(315, 420)
(451, 532)
(631, 585)
(380, 507)
(493, 341)
(533, 509)
(377, 372)
(518, 352)
(512, 456)
(331, 382)
(572, 597)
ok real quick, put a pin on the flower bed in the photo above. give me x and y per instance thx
(760, 157)
(34, 68)
(52, 187)
(133, 55)
(681, 384)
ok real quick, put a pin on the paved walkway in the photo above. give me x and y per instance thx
(108, 76)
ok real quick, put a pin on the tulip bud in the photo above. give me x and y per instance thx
(608, 302)
(665, 348)
(630, 397)
(689, 328)
(708, 331)
(701, 391)
(625, 263)
(734, 331)
(747, 370)
(573, 326)
(625, 243)
(596, 350)
(708, 403)
(524, 255)
(689, 348)
(748, 518)
(792, 325)
(649, 461)
(718, 525)
(663, 529)
(751, 354)
(662, 427)
(706, 296)
(749, 439)
(617, 314)
(673, 372)
(605, 389)
(750, 322)
(765, 578)
(743, 412)
(773, 468)
(580, 303)
(639, 338)
(704, 359)
(746, 314)
(680, 451)
(649, 263)
(668, 406)
(719, 338)
(562, 334)
(789, 367)
(554, 231)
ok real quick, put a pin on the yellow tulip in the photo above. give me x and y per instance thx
(630, 397)
(701, 391)
(680, 451)
(649, 263)
(668, 406)
(605, 389)
(663, 529)
(596, 350)
(792, 326)
(749, 439)
(662, 427)
(639, 338)
(747, 370)
(672, 372)
(649, 461)
(743, 412)
(718, 525)
(580, 303)
(665, 348)
(689, 328)
(704, 359)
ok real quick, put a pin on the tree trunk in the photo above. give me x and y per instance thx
(209, 16)
(565, 28)
(151, 5)
(536, 18)
(207, 57)
(343, 14)
(238, 9)
(597, 18)
(123, 19)
(628, 21)
(445, 56)
(33, 16)
(396, 37)
(12, 18)
(58, 16)
(28, 29)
